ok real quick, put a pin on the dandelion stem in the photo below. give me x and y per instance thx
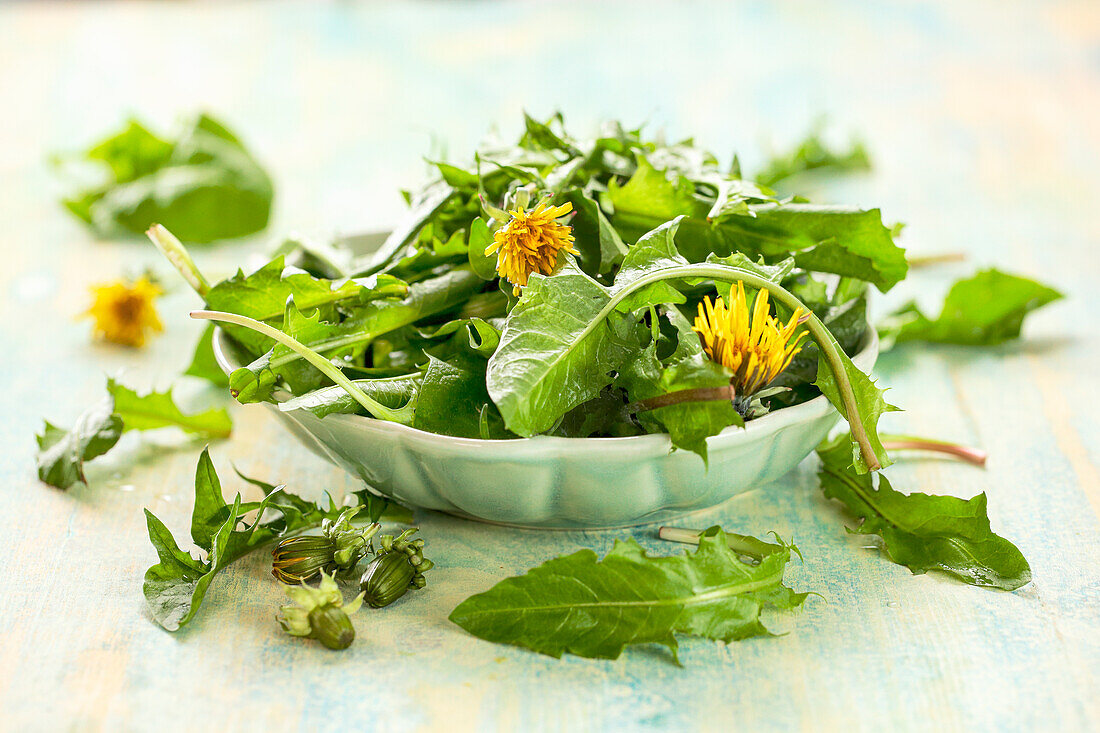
(743, 545)
(935, 259)
(177, 254)
(975, 456)
(376, 409)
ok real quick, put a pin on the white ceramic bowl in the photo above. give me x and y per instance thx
(562, 483)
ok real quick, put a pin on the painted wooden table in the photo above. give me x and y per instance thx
(984, 122)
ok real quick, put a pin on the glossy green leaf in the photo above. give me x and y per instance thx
(263, 295)
(483, 265)
(348, 335)
(479, 335)
(393, 392)
(600, 248)
(555, 351)
(653, 251)
(839, 240)
(649, 197)
(595, 608)
(923, 531)
(451, 397)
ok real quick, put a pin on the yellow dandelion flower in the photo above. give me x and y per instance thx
(530, 243)
(123, 312)
(755, 347)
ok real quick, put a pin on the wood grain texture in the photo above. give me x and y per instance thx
(984, 123)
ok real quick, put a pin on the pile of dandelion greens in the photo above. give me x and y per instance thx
(558, 286)
(584, 288)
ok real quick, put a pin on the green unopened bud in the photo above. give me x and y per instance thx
(399, 566)
(340, 546)
(320, 613)
(331, 626)
(297, 559)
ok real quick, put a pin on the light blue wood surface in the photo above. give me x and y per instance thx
(984, 122)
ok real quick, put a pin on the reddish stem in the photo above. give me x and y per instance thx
(975, 456)
(698, 394)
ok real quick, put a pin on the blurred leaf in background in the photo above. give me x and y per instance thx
(814, 154)
(204, 185)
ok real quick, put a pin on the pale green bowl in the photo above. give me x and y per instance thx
(561, 483)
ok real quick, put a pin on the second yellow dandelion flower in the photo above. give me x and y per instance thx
(125, 312)
(530, 243)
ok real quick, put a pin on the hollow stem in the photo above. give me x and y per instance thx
(374, 408)
(975, 456)
(742, 545)
(174, 251)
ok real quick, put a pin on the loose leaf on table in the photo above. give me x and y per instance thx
(62, 453)
(595, 608)
(203, 186)
(176, 586)
(923, 531)
(984, 310)
(158, 410)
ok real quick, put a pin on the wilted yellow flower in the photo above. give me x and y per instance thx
(756, 350)
(124, 312)
(530, 243)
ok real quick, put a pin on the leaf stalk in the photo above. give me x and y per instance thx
(975, 456)
(174, 251)
(374, 408)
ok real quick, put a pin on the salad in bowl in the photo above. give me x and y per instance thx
(568, 332)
